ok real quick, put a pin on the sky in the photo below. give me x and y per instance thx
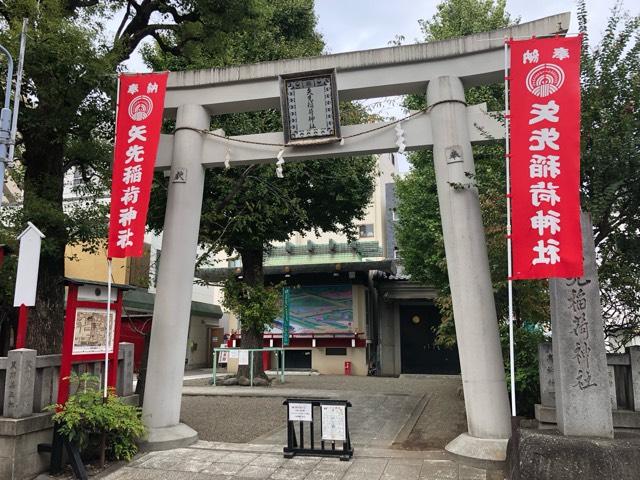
(349, 25)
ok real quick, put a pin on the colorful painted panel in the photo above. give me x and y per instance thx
(319, 309)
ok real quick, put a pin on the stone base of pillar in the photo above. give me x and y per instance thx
(486, 449)
(167, 438)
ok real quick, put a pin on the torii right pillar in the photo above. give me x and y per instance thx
(483, 378)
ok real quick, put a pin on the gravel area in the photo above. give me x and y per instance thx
(232, 419)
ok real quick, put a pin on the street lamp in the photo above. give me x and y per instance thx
(5, 120)
(9, 125)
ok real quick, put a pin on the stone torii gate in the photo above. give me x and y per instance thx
(442, 70)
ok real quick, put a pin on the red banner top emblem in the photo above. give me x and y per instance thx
(545, 157)
(138, 124)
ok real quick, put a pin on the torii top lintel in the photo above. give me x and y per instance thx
(476, 59)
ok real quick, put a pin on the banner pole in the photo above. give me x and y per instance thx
(509, 260)
(107, 331)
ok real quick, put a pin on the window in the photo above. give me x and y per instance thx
(335, 351)
(366, 230)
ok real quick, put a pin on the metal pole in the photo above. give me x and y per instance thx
(251, 367)
(5, 121)
(215, 366)
(106, 339)
(7, 91)
(507, 149)
(16, 96)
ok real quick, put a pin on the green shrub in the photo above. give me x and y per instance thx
(86, 416)
(527, 337)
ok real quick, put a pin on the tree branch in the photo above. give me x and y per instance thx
(178, 17)
(163, 45)
(73, 4)
(125, 18)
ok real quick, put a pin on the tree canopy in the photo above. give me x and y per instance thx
(609, 187)
(247, 208)
(419, 229)
(610, 165)
(67, 118)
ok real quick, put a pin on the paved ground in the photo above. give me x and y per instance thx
(398, 427)
(414, 412)
(225, 461)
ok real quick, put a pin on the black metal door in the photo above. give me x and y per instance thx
(297, 359)
(420, 354)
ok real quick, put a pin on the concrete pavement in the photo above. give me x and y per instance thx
(228, 461)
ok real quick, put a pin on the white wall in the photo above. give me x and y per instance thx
(376, 210)
(197, 342)
(201, 293)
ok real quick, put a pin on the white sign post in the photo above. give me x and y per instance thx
(27, 277)
(28, 262)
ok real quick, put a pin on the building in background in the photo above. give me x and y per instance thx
(350, 300)
(406, 316)
(350, 305)
(205, 330)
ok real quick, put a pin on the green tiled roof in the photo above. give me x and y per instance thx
(308, 258)
(366, 249)
(142, 301)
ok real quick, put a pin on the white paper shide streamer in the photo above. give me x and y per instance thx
(280, 163)
(400, 138)
(227, 158)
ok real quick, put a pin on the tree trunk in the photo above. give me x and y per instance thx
(43, 187)
(142, 373)
(253, 275)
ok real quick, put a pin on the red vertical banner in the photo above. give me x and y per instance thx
(138, 124)
(545, 157)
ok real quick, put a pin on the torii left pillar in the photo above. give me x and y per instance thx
(481, 366)
(171, 311)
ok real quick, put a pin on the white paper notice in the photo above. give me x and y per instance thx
(244, 357)
(233, 353)
(223, 356)
(300, 412)
(333, 423)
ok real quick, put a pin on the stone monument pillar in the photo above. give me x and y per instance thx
(483, 378)
(583, 404)
(172, 308)
(19, 383)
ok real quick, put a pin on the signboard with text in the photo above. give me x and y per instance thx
(89, 331)
(138, 123)
(300, 412)
(545, 157)
(334, 426)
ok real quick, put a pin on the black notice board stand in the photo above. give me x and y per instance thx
(326, 448)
